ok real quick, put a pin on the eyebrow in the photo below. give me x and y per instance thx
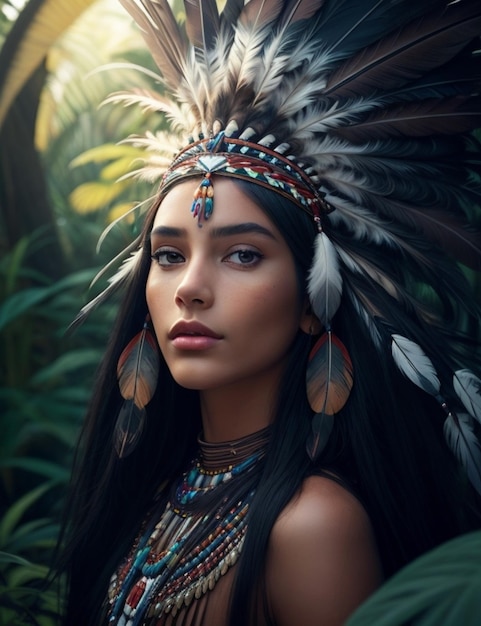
(218, 232)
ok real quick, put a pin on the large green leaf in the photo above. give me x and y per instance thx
(6, 558)
(71, 361)
(37, 466)
(19, 303)
(441, 588)
(13, 515)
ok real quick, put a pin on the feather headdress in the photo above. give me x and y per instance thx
(364, 110)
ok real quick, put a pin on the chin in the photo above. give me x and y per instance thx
(197, 381)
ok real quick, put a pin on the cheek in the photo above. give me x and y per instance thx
(277, 310)
(156, 295)
(149, 293)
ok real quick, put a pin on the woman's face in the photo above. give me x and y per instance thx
(223, 298)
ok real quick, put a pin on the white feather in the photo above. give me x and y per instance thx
(348, 183)
(276, 62)
(139, 208)
(159, 144)
(244, 62)
(294, 95)
(322, 118)
(468, 388)
(273, 67)
(415, 364)
(125, 271)
(217, 58)
(362, 223)
(325, 281)
(459, 433)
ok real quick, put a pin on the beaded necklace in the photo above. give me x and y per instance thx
(181, 554)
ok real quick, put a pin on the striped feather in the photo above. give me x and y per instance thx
(138, 368)
(459, 433)
(329, 375)
(468, 389)
(415, 364)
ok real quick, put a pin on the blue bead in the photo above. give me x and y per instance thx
(208, 208)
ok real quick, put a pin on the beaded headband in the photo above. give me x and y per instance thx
(237, 158)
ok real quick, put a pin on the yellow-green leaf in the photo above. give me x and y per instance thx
(120, 167)
(106, 152)
(96, 195)
(120, 210)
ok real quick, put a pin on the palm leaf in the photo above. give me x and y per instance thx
(441, 587)
(27, 43)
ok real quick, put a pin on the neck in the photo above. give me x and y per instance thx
(237, 411)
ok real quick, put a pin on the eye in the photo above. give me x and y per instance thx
(244, 257)
(167, 256)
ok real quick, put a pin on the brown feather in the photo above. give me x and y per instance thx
(202, 22)
(417, 119)
(165, 40)
(260, 13)
(230, 13)
(138, 368)
(441, 222)
(128, 428)
(321, 428)
(445, 229)
(296, 10)
(408, 53)
(329, 375)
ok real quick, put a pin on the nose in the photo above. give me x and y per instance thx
(195, 288)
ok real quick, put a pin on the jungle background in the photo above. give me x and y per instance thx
(60, 162)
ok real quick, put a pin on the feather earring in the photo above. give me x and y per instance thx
(137, 373)
(329, 377)
(329, 380)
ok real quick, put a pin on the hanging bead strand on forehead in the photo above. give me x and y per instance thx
(203, 203)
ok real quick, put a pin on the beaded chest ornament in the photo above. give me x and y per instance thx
(158, 579)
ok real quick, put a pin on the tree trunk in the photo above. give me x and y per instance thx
(24, 201)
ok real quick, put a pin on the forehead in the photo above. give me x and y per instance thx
(231, 205)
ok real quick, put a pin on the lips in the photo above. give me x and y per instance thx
(192, 329)
(193, 337)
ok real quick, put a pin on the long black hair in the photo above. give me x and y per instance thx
(386, 447)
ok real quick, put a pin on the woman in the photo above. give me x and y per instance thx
(265, 441)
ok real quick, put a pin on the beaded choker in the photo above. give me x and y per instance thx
(213, 456)
(180, 557)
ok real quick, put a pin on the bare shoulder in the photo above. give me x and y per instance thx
(322, 560)
(322, 505)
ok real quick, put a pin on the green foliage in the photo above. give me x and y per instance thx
(441, 587)
(46, 375)
(45, 378)
(23, 595)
